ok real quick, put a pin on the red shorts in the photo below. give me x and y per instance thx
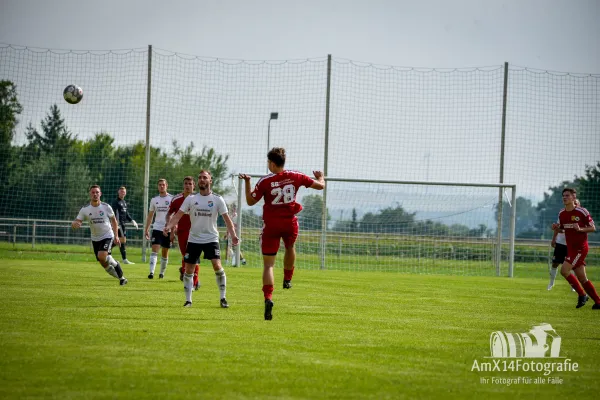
(273, 231)
(576, 257)
(182, 239)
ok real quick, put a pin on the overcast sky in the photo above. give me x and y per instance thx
(559, 35)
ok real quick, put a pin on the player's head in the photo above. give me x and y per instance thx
(569, 196)
(276, 157)
(95, 193)
(122, 192)
(188, 185)
(162, 186)
(204, 180)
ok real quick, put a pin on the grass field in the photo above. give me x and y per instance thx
(69, 331)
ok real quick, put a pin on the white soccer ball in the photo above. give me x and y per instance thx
(73, 94)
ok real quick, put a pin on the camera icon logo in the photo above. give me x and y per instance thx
(541, 341)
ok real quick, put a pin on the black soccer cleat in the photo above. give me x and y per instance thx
(287, 284)
(197, 286)
(187, 304)
(268, 310)
(123, 281)
(596, 306)
(581, 301)
(161, 276)
(224, 303)
(151, 276)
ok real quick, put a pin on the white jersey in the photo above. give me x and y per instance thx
(99, 220)
(203, 212)
(160, 206)
(560, 238)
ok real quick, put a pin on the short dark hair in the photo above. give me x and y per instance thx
(205, 170)
(122, 187)
(94, 187)
(570, 190)
(277, 156)
(188, 178)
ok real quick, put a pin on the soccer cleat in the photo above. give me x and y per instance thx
(126, 261)
(224, 303)
(268, 310)
(550, 286)
(581, 301)
(243, 261)
(181, 274)
(151, 276)
(596, 306)
(197, 286)
(287, 284)
(123, 281)
(161, 276)
(187, 304)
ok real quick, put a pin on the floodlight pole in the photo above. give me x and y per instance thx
(274, 115)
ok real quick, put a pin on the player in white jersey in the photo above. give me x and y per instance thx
(104, 232)
(204, 208)
(559, 243)
(159, 207)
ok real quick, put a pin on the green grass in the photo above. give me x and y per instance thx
(69, 331)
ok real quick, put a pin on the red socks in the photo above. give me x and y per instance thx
(268, 291)
(591, 291)
(288, 273)
(572, 279)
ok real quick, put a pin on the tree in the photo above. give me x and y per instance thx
(10, 108)
(310, 218)
(527, 219)
(589, 190)
(389, 220)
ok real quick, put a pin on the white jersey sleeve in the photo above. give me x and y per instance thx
(160, 206)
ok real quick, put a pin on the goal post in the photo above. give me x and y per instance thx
(402, 226)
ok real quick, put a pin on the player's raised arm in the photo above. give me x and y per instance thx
(319, 182)
(247, 190)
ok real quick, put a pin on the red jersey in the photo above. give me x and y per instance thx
(279, 191)
(568, 219)
(184, 224)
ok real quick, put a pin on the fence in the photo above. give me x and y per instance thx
(150, 113)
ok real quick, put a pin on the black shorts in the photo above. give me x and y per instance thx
(194, 250)
(560, 252)
(122, 231)
(159, 238)
(103, 245)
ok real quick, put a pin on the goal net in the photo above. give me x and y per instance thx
(417, 227)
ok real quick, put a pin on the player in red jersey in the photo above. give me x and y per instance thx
(183, 226)
(576, 222)
(279, 190)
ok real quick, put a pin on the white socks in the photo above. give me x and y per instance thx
(553, 272)
(188, 285)
(221, 280)
(111, 271)
(163, 265)
(153, 257)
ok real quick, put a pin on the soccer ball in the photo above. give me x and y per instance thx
(73, 94)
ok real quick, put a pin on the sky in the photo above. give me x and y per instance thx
(558, 35)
